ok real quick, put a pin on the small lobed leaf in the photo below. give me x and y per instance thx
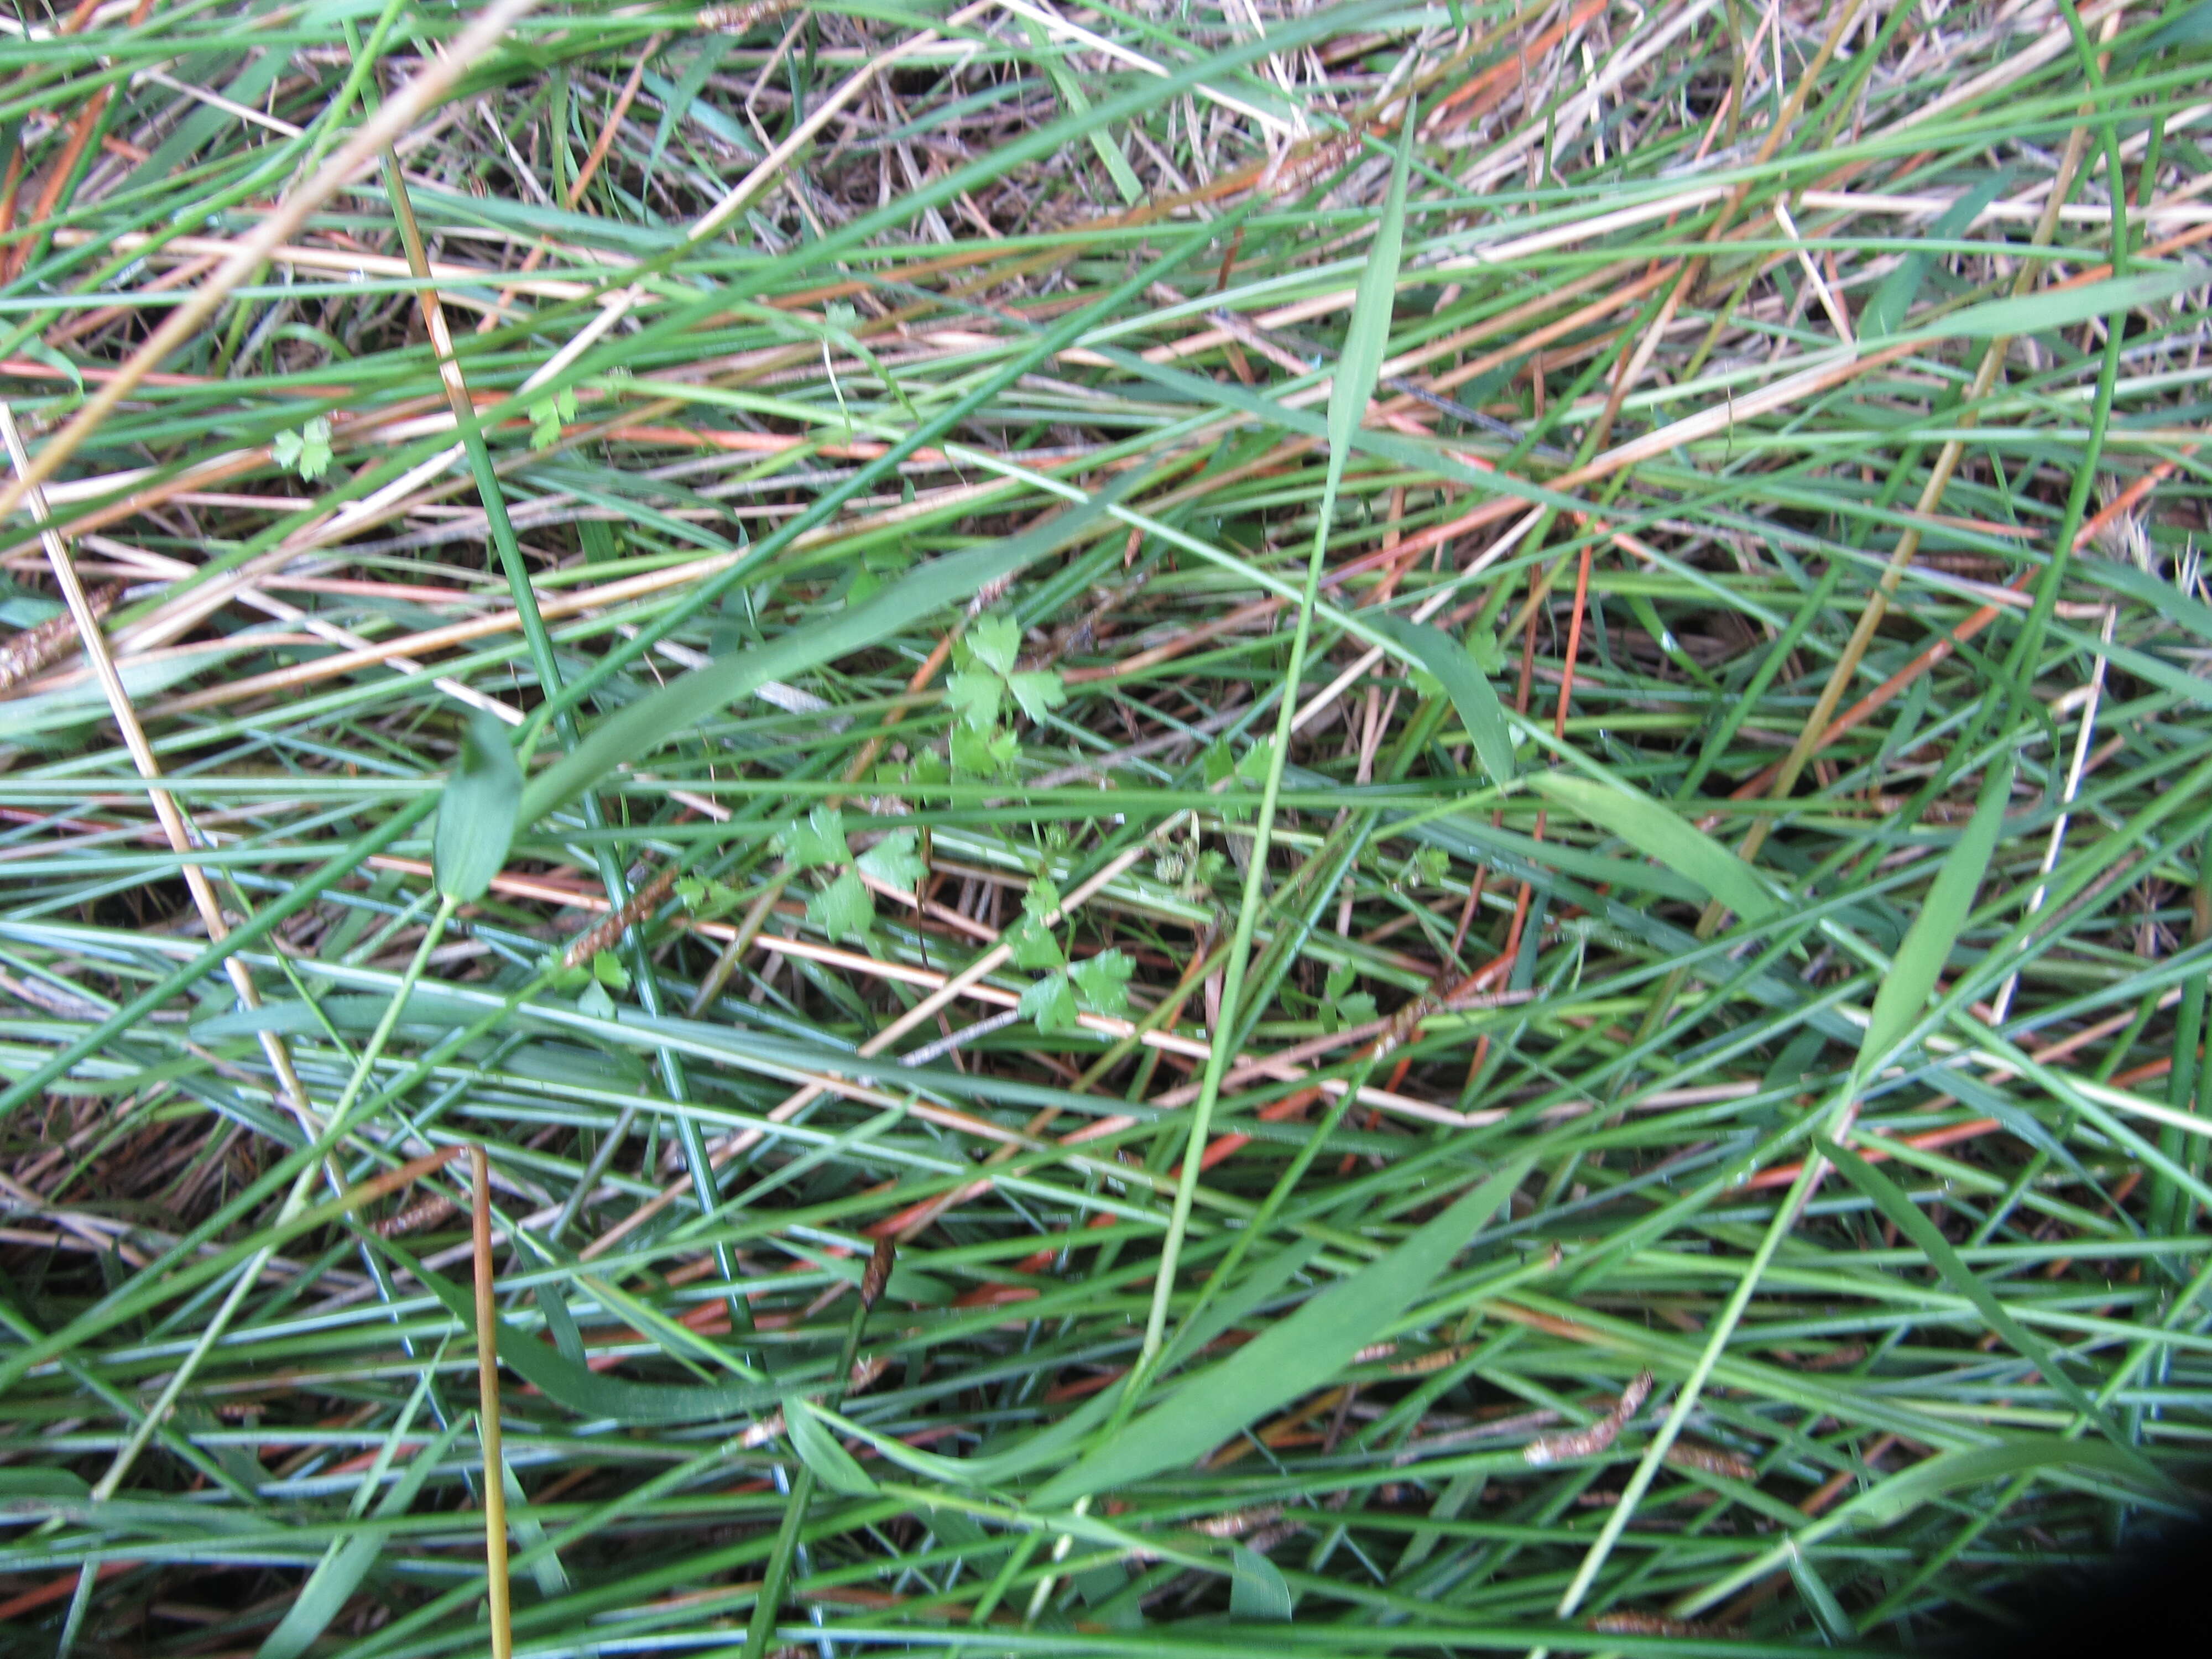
(1103, 981)
(894, 862)
(975, 695)
(314, 457)
(1033, 945)
(1049, 1003)
(817, 839)
(1042, 898)
(987, 754)
(995, 642)
(1037, 690)
(844, 908)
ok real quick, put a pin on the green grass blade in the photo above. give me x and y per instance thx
(1653, 829)
(1902, 998)
(1286, 1360)
(1469, 689)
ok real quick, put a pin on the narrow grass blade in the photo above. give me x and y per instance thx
(346, 1562)
(1654, 830)
(1902, 996)
(1469, 689)
(1286, 1361)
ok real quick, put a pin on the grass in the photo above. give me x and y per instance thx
(1391, 817)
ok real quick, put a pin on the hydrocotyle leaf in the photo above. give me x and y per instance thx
(1103, 981)
(477, 813)
(1654, 830)
(1287, 1360)
(894, 862)
(1464, 684)
(634, 732)
(817, 838)
(843, 908)
(1902, 996)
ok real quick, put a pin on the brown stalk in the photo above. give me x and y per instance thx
(35, 647)
(495, 1462)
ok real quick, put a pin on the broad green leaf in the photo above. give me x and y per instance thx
(817, 839)
(1884, 313)
(1827, 1611)
(1046, 1445)
(1049, 1003)
(2188, 28)
(843, 910)
(1654, 830)
(2164, 598)
(529, 1533)
(1900, 1494)
(1902, 998)
(346, 1562)
(559, 1323)
(833, 1466)
(1289, 1359)
(1227, 1310)
(2055, 308)
(1103, 983)
(143, 678)
(1478, 838)
(42, 1483)
(1366, 342)
(1929, 1238)
(631, 734)
(1256, 1590)
(476, 812)
(586, 1391)
(1469, 689)
(894, 862)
